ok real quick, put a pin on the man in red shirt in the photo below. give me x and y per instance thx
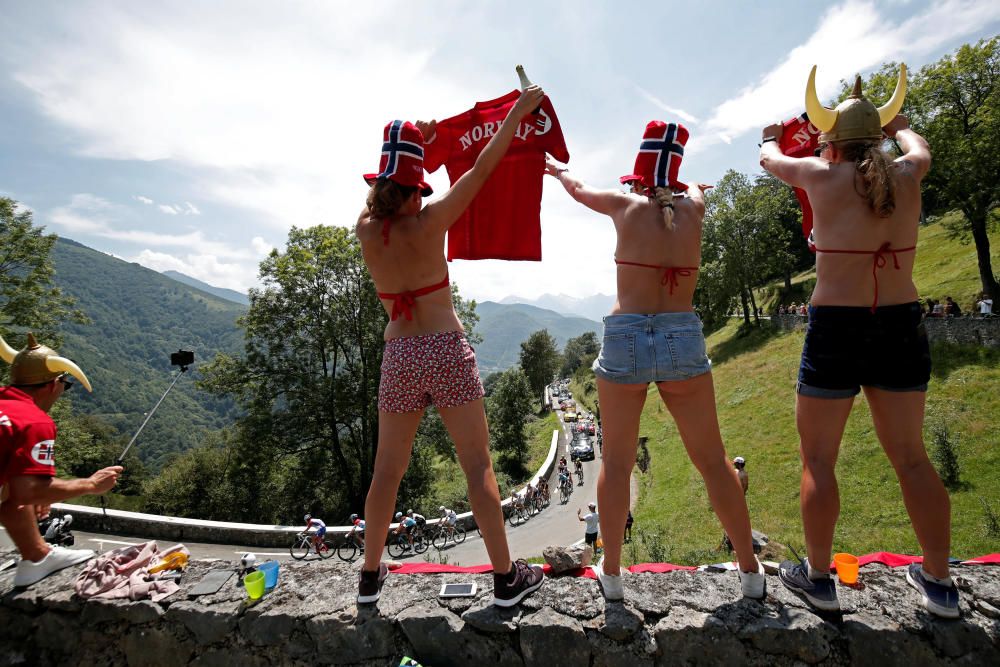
(28, 485)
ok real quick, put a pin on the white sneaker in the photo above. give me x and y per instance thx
(611, 584)
(753, 583)
(58, 557)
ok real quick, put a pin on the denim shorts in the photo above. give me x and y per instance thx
(849, 347)
(638, 349)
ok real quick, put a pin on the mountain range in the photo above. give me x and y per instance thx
(221, 292)
(592, 307)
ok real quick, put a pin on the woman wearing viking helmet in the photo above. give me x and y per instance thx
(654, 335)
(38, 377)
(427, 360)
(864, 330)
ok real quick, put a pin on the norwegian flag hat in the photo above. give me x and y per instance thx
(402, 157)
(660, 155)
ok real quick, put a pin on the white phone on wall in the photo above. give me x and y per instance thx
(461, 590)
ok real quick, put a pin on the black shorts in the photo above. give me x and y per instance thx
(849, 347)
(589, 538)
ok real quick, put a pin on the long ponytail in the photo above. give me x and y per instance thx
(665, 198)
(873, 165)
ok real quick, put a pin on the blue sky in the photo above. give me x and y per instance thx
(191, 136)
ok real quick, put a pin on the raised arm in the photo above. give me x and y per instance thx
(916, 157)
(446, 210)
(790, 170)
(602, 201)
(42, 490)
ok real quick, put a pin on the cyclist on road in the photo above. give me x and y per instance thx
(562, 464)
(449, 519)
(420, 519)
(405, 527)
(543, 489)
(357, 534)
(579, 471)
(317, 539)
(565, 481)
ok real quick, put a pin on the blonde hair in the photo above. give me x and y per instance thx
(665, 198)
(873, 165)
(386, 197)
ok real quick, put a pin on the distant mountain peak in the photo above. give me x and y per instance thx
(593, 307)
(221, 292)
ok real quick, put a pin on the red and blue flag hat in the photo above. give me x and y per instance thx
(402, 157)
(660, 156)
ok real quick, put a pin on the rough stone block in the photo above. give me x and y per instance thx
(564, 559)
(550, 638)
(689, 637)
(208, 624)
(156, 647)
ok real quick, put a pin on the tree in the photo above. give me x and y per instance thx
(466, 311)
(955, 105)
(508, 408)
(540, 360)
(28, 300)
(309, 379)
(577, 351)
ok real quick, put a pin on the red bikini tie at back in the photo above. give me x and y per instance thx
(670, 273)
(879, 261)
(403, 302)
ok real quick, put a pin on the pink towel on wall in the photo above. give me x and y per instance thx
(121, 574)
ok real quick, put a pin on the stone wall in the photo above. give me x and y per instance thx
(668, 619)
(960, 330)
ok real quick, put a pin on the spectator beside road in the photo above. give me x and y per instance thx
(628, 526)
(952, 309)
(740, 464)
(938, 310)
(985, 305)
(592, 519)
(803, 310)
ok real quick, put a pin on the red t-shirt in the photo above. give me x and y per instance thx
(503, 221)
(800, 138)
(27, 437)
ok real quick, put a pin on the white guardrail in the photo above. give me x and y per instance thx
(156, 526)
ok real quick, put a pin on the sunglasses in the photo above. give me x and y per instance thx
(67, 384)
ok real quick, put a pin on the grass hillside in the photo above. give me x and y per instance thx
(138, 317)
(755, 394)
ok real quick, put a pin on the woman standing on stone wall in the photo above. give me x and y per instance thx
(865, 331)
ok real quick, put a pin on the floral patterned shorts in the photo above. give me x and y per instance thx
(436, 369)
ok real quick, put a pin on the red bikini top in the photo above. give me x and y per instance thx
(403, 302)
(878, 261)
(670, 273)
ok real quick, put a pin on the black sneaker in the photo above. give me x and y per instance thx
(937, 599)
(820, 593)
(370, 584)
(511, 588)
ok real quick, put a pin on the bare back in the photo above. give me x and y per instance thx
(413, 258)
(843, 220)
(643, 238)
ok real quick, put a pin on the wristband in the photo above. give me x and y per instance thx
(765, 140)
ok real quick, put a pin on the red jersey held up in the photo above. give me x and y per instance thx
(27, 437)
(503, 221)
(800, 138)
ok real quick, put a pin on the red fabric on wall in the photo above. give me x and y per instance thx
(503, 221)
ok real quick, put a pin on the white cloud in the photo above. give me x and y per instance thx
(169, 210)
(191, 209)
(204, 267)
(673, 111)
(144, 200)
(850, 38)
(261, 246)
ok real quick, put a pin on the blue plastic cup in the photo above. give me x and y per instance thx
(270, 569)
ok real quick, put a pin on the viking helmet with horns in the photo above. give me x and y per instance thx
(38, 364)
(856, 117)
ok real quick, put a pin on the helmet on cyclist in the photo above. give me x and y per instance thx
(409, 512)
(307, 517)
(399, 515)
(248, 560)
(441, 509)
(354, 517)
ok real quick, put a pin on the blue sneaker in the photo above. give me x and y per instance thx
(820, 593)
(937, 599)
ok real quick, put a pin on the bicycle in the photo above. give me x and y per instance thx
(517, 515)
(456, 535)
(349, 550)
(303, 544)
(565, 491)
(399, 545)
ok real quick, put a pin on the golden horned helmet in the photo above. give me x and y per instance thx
(38, 364)
(856, 117)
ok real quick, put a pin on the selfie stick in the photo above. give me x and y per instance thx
(150, 415)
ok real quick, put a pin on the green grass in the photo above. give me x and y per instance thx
(539, 436)
(755, 388)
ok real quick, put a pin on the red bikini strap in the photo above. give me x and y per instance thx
(403, 302)
(670, 273)
(879, 260)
